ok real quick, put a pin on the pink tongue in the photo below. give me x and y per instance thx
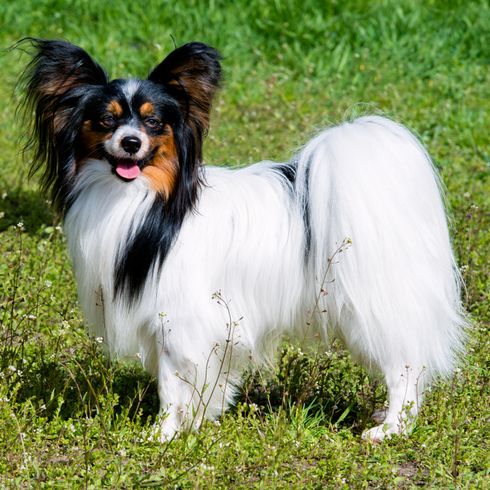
(127, 170)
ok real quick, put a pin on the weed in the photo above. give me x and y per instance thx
(70, 418)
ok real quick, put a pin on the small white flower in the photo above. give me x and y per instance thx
(11, 368)
(20, 225)
(99, 340)
(64, 326)
(48, 283)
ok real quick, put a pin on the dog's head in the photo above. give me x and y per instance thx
(152, 128)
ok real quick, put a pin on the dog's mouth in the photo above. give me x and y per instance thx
(127, 169)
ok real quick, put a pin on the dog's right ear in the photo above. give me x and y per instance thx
(58, 67)
(56, 81)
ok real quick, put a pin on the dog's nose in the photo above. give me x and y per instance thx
(131, 144)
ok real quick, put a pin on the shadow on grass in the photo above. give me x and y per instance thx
(72, 389)
(83, 384)
(329, 385)
(26, 206)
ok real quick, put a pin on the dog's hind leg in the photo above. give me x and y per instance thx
(405, 393)
(396, 358)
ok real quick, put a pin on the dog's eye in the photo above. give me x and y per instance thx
(107, 121)
(153, 122)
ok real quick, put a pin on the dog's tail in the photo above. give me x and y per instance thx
(380, 253)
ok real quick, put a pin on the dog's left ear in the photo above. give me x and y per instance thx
(191, 74)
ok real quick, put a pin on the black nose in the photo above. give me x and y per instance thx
(131, 144)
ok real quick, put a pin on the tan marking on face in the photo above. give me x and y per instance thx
(147, 109)
(161, 171)
(91, 144)
(115, 108)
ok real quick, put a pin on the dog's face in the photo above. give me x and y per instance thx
(151, 128)
(130, 123)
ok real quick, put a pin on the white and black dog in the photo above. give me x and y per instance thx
(201, 269)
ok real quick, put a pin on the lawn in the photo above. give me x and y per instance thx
(71, 418)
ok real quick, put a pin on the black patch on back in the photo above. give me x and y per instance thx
(306, 210)
(288, 170)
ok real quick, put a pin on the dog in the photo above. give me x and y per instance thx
(201, 270)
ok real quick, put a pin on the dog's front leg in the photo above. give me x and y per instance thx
(191, 390)
(178, 395)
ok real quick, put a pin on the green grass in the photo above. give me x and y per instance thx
(70, 418)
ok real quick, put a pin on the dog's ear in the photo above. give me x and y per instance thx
(191, 74)
(58, 78)
(59, 67)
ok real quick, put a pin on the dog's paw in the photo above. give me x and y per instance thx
(162, 434)
(380, 432)
(164, 430)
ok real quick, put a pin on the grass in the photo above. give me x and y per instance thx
(70, 418)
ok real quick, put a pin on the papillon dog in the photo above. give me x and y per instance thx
(200, 271)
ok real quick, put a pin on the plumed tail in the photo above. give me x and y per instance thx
(393, 294)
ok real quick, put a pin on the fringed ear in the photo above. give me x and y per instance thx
(57, 79)
(192, 75)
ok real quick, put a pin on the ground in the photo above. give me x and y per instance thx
(70, 418)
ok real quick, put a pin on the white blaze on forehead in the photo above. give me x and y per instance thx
(130, 88)
(114, 148)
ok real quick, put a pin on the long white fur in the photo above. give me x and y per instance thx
(237, 279)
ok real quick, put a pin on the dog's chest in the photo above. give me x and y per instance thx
(98, 226)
